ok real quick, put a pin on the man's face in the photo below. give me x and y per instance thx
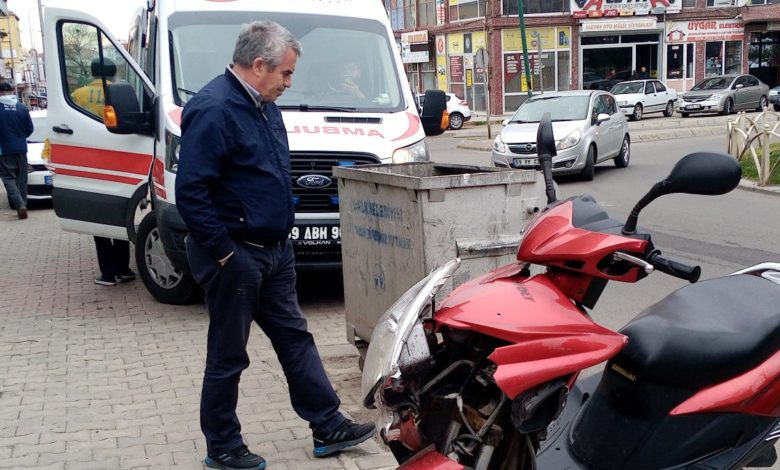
(271, 83)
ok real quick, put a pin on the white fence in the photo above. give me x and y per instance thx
(752, 137)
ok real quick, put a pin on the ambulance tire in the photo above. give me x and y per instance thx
(166, 283)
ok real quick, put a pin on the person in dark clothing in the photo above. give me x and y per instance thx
(643, 75)
(113, 255)
(15, 127)
(234, 192)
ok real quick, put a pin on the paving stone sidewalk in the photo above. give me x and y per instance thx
(96, 377)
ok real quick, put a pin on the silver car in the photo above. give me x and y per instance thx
(725, 94)
(588, 127)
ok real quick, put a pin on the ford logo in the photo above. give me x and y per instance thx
(314, 181)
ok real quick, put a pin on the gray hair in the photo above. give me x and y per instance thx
(265, 40)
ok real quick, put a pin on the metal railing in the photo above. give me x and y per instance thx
(752, 137)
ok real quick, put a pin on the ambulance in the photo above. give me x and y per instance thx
(115, 144)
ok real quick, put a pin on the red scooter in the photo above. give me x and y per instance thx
(488, 378)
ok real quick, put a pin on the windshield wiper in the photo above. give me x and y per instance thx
(306, 107)
(520, 121)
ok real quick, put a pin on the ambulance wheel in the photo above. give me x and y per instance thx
(161, 278)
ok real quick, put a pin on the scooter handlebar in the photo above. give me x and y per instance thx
(674, 268)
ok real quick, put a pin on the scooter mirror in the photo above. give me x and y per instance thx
(545, 148)
(705, 173)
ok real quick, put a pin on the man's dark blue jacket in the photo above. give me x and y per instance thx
(233, 180)
(15, 127)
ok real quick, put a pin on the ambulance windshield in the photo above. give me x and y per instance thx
(347, 63)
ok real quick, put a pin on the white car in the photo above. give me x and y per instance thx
(459, 111)
(588, 129)
(639, 97)
(39, 178)
(457, 108)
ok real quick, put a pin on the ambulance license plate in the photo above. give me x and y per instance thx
(316, 233)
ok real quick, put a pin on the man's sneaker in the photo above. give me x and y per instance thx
(101, 281)
(125, 277)
(238, 458)
(22, 213)
(348, 434)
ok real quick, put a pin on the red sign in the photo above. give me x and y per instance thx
(456, 68)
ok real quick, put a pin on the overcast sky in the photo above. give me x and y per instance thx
(115, 14)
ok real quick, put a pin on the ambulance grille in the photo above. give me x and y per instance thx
(316, 163)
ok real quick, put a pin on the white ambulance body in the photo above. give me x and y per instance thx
(105, 177)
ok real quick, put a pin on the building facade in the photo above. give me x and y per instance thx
(11, 49)
(574, 44)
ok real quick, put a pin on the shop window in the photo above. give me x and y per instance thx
(713, 56)
(723, 3)
(466, 9)
(733, 60)
(426, 12)
(689, 3)
(679, 61)
(763, 2)
(530, 7)
(564, 71)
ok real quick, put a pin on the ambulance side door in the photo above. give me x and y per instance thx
(99, 176)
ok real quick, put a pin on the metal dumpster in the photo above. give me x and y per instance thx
(401, 221)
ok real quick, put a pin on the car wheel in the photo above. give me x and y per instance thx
(728, 107)
(762, 103)
(590, 163)
(637, 115)
(621, 161)
(669, 111)
(166, 283)
(684, 115)
(456, 121)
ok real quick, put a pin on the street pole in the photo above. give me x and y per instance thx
(525, 46)
(538, 36)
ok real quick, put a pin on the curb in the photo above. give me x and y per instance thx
(747, 185)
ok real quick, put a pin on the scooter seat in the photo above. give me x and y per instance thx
(704, 333)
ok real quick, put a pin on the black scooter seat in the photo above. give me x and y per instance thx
(704, 333)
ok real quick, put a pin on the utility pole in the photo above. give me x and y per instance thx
(525, 46)
(11, 46)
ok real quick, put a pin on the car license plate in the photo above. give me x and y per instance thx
(318, 234)
(524, 162)
(693, 106)
(48, 180)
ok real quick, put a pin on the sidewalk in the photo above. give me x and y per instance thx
(106, 378)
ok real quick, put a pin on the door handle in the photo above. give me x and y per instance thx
(62, 129)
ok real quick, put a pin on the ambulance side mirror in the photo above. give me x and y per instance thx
(434, 116)
(123, 114)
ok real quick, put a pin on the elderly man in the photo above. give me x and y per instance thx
(233, 190)
(15, 127)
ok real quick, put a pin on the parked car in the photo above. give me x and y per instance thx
(774, 98)
(639, 97)
(457, 108)
(588, 127)
(39, 178)
(725, 94)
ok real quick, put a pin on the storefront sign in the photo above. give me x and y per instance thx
(552, 38)
(710, 30)
(610, 8)
(414, 47)
(600, 26)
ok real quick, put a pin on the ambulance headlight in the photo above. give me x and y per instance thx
(172, 146)
(417, 152)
